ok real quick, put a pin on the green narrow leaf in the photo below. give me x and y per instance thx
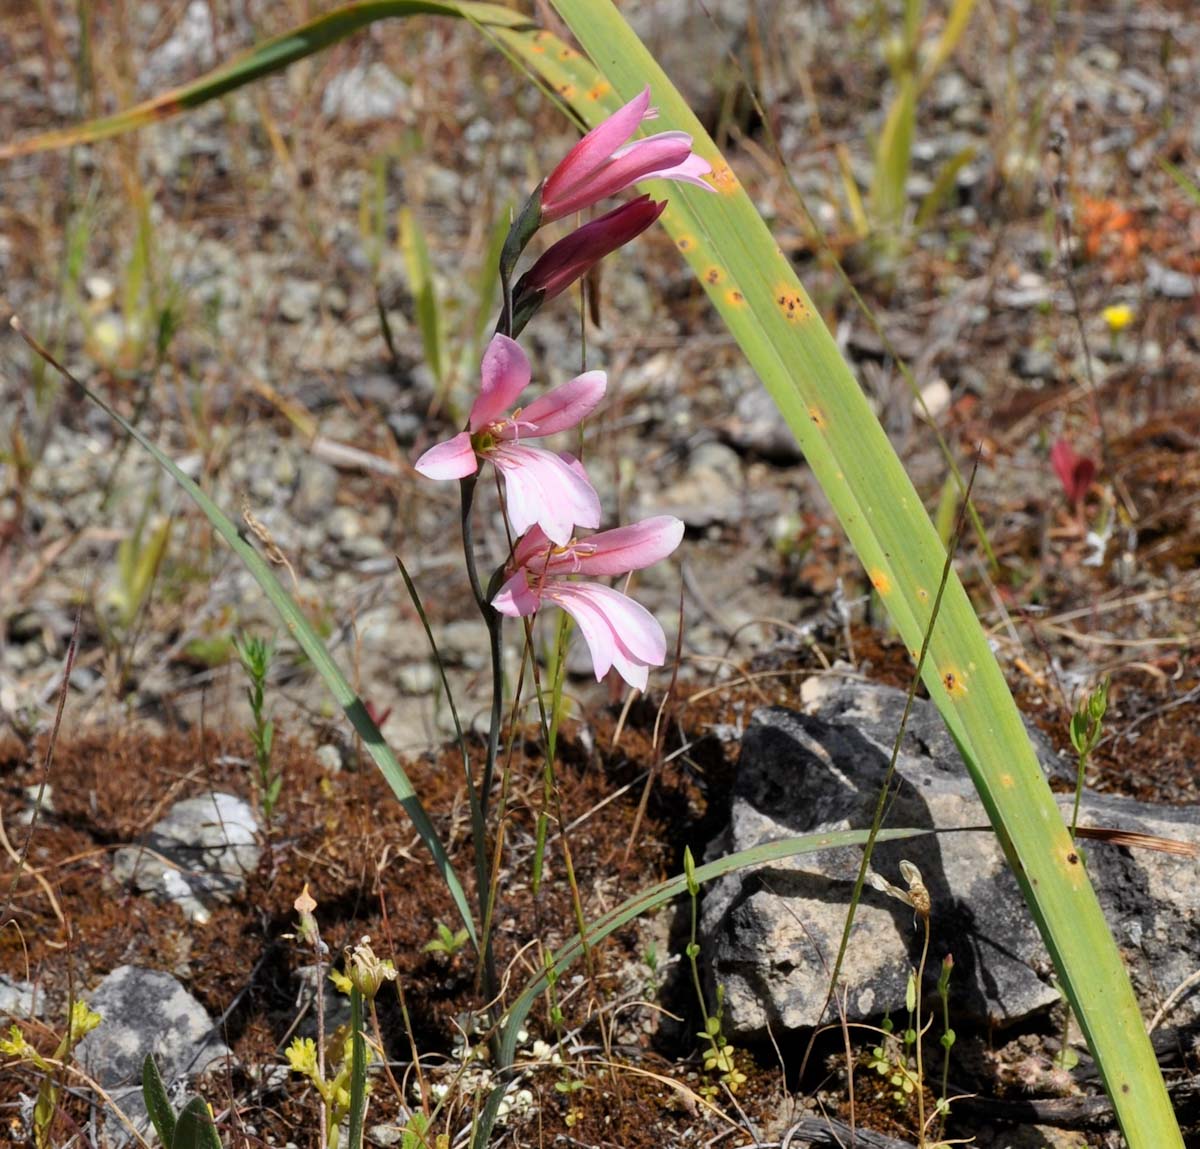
(309, 641)
(644, 903)
(264, 59)
(943, 185)
(420, 279)
(158, 1105)
(195, 1128)
(957, 20)
(1186, 185)
(358, 1070)
(893, 160)
(756, 291)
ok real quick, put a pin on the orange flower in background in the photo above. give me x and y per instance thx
(1110, 233)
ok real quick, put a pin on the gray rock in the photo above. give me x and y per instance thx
(185, 53)
(1034, 363)
(299, 299)
(143, 1012)
(758, 427)
(200, 853)
(1029, 290)
(771, 934)
(316, 491)
(418, 678)
(363, 93)
(1170, 284)
(710, 492)
(16, 998)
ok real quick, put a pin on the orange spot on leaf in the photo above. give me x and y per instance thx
(955, 683)
(723, 179)
(791, 303)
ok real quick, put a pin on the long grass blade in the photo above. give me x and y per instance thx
(306, 638)
(358, 1070)
(758, 295)
(264, 59)
(646, 902)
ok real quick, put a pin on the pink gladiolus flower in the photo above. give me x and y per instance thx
(1074, 471)
(605, 162)
(541, 486)
(618, 631)
(573, 256)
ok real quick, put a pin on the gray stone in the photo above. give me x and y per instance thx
(1170, 284)
(1034, 363)
(16, 998)
(185, 53)
(201, 852)
(418, 678)
(144, 1011)
(299, 299)
(710, 492)
(364, 93)
(316, 491)
(771, 934)
(758, 427)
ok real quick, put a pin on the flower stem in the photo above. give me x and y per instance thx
(494, 623)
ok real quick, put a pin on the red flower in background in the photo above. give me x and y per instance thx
(1074, 471)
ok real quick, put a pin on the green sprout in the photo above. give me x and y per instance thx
(256, 654)
(447, 942)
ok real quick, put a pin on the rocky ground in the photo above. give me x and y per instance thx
(225, 280)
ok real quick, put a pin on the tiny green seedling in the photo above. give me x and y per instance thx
(256, 654)
(447, 942)
(191, 1128)
(719, 1058)
(1087, 725)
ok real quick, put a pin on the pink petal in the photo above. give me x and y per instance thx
(543, 488)
(630, 164)
(618, 631)
(515, 598)
(622, 549)
(690, 171)
(580, 163)
(565, 406)
(453, 459)
(504, 375)
(533, 544)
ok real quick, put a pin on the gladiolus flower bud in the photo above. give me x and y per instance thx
(575, 255)
(605, 162)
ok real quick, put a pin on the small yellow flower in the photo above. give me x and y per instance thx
(302, 1056)
(15, 1044)
(1118, 317)
(83, 1020)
